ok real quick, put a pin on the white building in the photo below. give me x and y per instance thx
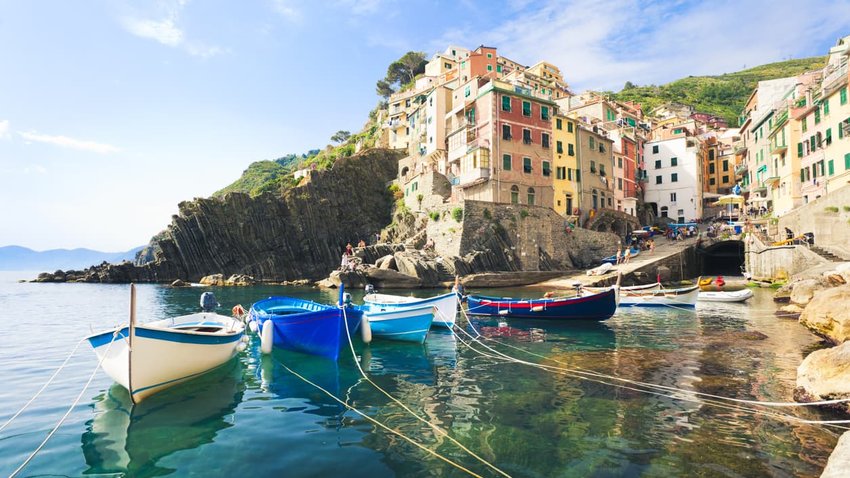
(674, 176)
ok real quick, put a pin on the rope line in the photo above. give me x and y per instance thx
(379, 424)
(70, 409)
(434, 427)
(43, 387)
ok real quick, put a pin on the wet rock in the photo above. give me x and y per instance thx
(783, 294)
(214, 279)
(824, 375)
(839, 461)
(826, 315)
(804, 290)
(790, 311)
(386, 262)
(180, 283)
(240, 280)
(834, 280)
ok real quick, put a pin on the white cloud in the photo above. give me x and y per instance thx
(168, 32)
(66, 142)
(285, 9)
(4, 130)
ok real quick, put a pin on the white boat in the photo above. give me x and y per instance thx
(600, 270)
(148, 358)
(653, 295)
(725, 296)
(445, 313)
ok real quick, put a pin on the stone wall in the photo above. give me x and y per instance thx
(831, 229)
(778, 262)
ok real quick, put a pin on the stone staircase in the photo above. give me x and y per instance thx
(826, 254)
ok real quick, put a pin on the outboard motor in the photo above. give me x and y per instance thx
(370, 289)
(346, 299)
(208, 302)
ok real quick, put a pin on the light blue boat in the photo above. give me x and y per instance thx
(445, 306)
(408, 324)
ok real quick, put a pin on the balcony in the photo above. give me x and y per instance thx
(772, 181)
(740, 169)
(473, 175)
(778, 148)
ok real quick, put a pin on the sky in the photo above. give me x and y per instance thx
(113, 112)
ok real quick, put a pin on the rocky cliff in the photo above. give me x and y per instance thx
(272, 237)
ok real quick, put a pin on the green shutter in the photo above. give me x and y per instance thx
(526, 108)
(506, 103)
(570, 149)
(826, 107)
(569, 127)
(812, 145)
(506, 162)
(828, 135)
(817, 115)
(802, 175)
(843, 95)
(804, 123)
(559, 147)
(578, 175)
(830, 168)
(559, 124)
(840, 131)
(544, 112)
(847, 161)
(799, 150)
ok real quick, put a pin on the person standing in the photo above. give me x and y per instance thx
(627, 254)
(619, 257)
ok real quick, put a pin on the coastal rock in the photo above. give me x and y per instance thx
(834, 279)
(214, 279)
(790, 311)
(843, 270)
(180, 283)
(826, 315)
(783, 294)
(386, 262)
(240, 280)
(839, 460)
(388, 278)
(804, 290)
(824, 375)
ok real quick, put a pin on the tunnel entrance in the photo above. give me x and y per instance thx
(722, 258)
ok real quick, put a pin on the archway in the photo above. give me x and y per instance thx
(722, 258)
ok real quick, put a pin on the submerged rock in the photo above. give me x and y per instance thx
(180, 283)
(824, 375)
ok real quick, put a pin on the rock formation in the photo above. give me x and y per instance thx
(826, 315)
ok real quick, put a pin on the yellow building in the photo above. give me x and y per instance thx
(565, 165)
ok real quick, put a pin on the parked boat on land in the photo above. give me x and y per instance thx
(601, 269)
(151, 357)
(305, 326)
(408, 324)
(613, 259)
(598, 306)
(445, 312)
(726, 296)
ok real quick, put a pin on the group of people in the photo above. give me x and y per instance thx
(348, 262)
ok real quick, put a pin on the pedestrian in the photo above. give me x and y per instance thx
(651, 246)
(349, 251)
(362, 243)
(627, 254)
(619, 257)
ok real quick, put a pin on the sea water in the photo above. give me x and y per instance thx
(256, 417)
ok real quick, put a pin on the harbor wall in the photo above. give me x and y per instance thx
(828, 217)
(777, 262)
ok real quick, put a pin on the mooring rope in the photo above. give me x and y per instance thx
(434, 427)
(379, 424)
(43, 387)
(70, 409)
(584, 374)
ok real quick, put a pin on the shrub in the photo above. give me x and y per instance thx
(831, 209)
(434, 215)
(523, 214)
(486, 214)
(457, 214)
(396, 191)
(419, 198)
(846, 208)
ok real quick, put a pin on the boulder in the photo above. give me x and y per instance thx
(240, 280)
(386, 262)
(834, 279)
(804, 290)
(826, 315)
(790, 311)
(783, 294)
(839, 460)
(388, 278)
(180, 283)
(214, 279)
(824, 375)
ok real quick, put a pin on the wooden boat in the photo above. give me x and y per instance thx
(725, 296)
(445, 313)
(598, 306)
(655, 295)
(613, 259)
(151, 357)
(408, 324)
(305, 326)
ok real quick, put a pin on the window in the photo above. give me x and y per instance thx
(657, 179)
(559, 147)
(674, 177)
(559, 124)
(569, 175)
(544, 113)
(578, 175)
(799, 150)
(466, 92)
(571, 149)
(817, 115)
(674, 161)
(657, 164)
(506, 103)
(506, 162)
(711, 181)
(526, 165)
(506, 132)
(544, 140)
(725, 179)
(569, 127)
(804, 123)
(826, 107)
(526, 108)
(828, 136)
(847, 161)
(448, 66)
(654, 149)
(489, 67)
(620, 162)
(489, 55)
(830, 168)
(560, 172)
(531, 196)
(725, 165)
(601, 147)
(546, 169)
(498, 68)
(664, 210)
(710, 168)
(672, 197)
(514, 195)
(593, 167)
(526, 136)
(602, 170)
(592, 143)
(842, 94)
(620, 184)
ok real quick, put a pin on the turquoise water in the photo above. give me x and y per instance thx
(253, 417)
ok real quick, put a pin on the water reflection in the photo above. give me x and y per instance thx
(133, 439)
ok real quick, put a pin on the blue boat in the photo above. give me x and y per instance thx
(408, 324)
(445, 313)
(613, 259)
(591, 307)
(304, 325)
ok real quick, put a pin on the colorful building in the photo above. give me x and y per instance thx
(595, 170)
(674, 167)
(564, 162)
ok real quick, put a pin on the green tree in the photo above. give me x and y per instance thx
(340, 136)
(401, 72)
(384, 89)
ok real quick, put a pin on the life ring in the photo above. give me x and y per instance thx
(238, 310)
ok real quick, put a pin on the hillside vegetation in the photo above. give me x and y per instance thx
(722, 95)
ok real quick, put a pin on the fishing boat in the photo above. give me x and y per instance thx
(408, 324)
(151, 357)
(445, 306)
(305, 326)
(654, 295)
(613, 259)
(599, 306)
(725, 296)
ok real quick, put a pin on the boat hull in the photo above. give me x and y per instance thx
(598, 306)
(408, 324)
(445, 313)
(725, 296)
(657, 297)
(163, 355)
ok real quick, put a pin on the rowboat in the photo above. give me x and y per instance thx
(408, 324)
(613, 259)
(445, 313)
(725, 296)
(655, 295)
(304, 326)
(151, 357)
(599, 306)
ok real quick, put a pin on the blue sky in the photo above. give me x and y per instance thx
(113, 112)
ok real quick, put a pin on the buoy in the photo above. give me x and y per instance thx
(267, 337)
(365, 330)
(252, 326)
(242, 346)
(537, 308)
(504, 312)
